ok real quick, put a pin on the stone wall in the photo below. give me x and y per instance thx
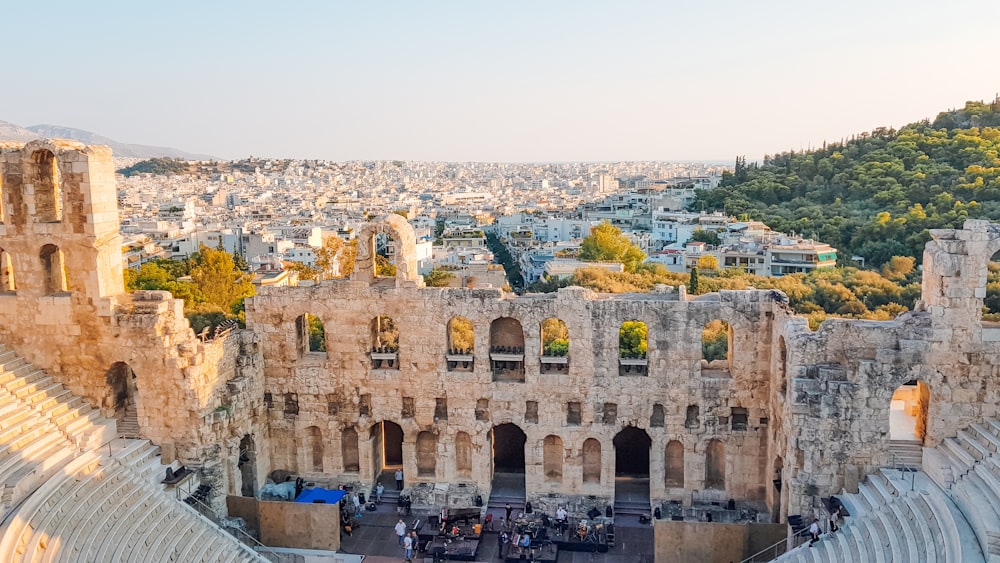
(806, 410)
(329, 387)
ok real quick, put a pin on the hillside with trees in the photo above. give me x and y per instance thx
(157, 167)
(877, 194)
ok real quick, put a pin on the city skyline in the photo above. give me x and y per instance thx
(557, 82)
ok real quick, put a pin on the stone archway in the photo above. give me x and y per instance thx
(632, 447)
(401, 233)
(247, 464)
(908, 423)
(387, 446)
(508, 442)
(120, 399)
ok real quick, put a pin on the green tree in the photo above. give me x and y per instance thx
(555, 337)
(715, 340)
(463, 336)
(438, 278)
(706, 236)
(218, 280)
(694, 284)
(632, 339)
(317, 334)
(607, 243)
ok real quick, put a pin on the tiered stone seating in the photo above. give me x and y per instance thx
(951, 514)
(971, 460)
(104, 503)
(890, 523)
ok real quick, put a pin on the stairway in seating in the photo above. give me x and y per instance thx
(907, 453)
(70, 491)
(128, 424)
(893, 519)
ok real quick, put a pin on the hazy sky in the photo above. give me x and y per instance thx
(495, 81)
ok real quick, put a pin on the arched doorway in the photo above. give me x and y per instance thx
(120, 399)
(247, 464)
(387, 451)
(908, 423)
(632, 470)
(507, 441)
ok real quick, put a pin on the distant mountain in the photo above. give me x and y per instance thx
(12, 132)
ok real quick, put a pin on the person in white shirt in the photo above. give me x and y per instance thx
(814, 531)
(400, 530)
(408, 548)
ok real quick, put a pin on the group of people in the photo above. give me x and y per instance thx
(407, 540)
(815, 530)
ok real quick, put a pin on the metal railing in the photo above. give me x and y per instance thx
(780, 547)
(903, 469)
(215, 519)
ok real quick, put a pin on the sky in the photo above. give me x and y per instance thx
(493, 81)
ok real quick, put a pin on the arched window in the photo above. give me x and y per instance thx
(314, 448)
(782, 366)
(674, 470)
(555, 346)
(591, 461)
(633, 348)
(716, 349)
(311, 334)
(426, 454)
(54, 266)
(691, 417)
(45, 182)
(461, 344)
(552, 454)
(715, 465)
(507, 349)
(6, 272)
(658, 417)
(349, 449)
(463, 455)
(385, 256)
(385, 343)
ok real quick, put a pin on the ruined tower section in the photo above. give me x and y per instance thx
(843, 377)
(60, 251)
(63, 307)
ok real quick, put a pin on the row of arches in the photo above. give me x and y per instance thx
(632, 454)
(507, 342)
(53, 264)
(43, 175)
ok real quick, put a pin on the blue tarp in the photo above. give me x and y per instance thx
(319, 493)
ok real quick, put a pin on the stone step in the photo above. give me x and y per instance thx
(103, 519)
(921, 530)
(993, 425)
(971, 500)
(960, 460)
(909, 547)
(972, 445)
(39, 510)
(987, 438)
(23, 376)
(126, 517)
(959, 540)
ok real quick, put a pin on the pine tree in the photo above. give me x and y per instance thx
(693, 282)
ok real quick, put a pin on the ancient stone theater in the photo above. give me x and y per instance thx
(453, 386)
